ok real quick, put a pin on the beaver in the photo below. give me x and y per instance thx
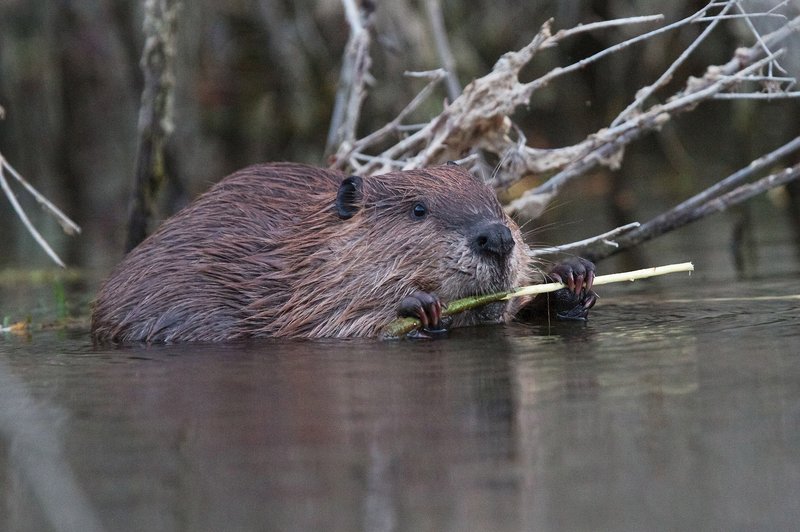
(290, 250)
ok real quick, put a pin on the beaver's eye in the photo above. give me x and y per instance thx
(419, 211)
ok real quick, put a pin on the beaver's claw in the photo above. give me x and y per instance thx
(567, 305)
(570, 303)
(574, 301)
(574, 272)
(424, 306)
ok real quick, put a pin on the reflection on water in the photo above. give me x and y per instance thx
(676, 407)
(681, 411)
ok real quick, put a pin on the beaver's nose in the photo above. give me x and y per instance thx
(493, 239)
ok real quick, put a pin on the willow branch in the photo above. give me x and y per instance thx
(605, 279)
(403, 326)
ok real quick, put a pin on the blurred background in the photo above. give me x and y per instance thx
(256, 81)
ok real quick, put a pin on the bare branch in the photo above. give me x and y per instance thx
(355, 149)
(354, 76)
(603, 24)
(728, 192)
(604, 239)
(24, 217)
(543, 81)
(67, 225)
(644, 93)
(478, 118)
(434, 8)
(756, 95)
(713, 206)
(606, 144)
(748, 21)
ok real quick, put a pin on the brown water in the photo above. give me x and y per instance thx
(676, 407)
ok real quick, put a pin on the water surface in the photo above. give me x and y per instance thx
(673, 413)
(676, 407)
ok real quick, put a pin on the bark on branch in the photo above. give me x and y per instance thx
(155, 113)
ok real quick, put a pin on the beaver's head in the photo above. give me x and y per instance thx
(441, 228)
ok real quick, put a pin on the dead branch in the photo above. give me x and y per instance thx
(606, 239)
(347, 152)
(606, 145)
(726, 193)
(155, 113)
(354, 76)
(67, 225)
(646, 92)
(478, 118)
(713, 206)
(434, 8)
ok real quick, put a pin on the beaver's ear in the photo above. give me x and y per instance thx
(348, 199)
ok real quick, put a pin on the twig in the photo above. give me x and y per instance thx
(606, 145)
(347, 151)
(747, 18)
(403, 326)
(354, 76)
(24, 217)
(645, 92)
(696, 208)
(604, 24)
(543, 81)
(605, 238)
(67, 225)
(745, 192)
(478, 118)
(776, 7)
(756, 95)
(741, 16)
(434, 8)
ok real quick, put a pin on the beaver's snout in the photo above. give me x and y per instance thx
(493, 239)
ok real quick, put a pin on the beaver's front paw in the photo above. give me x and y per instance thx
(574, 301)
(424, 306)
(570, 303)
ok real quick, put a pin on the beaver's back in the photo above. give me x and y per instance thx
(184, 282)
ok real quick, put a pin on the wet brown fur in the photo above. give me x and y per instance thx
(264, 253)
